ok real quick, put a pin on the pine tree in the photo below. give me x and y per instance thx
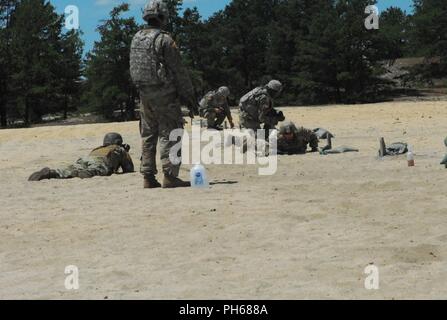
(35, 47)
(109, 86)
(71, 70)
(358, 52)
(314, 77)
(394, 33)
(192, 44)
(175, 21)
(7, 8)
(430, 34)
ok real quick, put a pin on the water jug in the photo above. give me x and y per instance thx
(199, 177)
(410, 157)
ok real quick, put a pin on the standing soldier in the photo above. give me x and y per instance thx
(214, 107)
(164, 84)
(293, 140)
(102, 161)
(257, 108)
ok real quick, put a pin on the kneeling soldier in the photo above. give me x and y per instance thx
(214, 108)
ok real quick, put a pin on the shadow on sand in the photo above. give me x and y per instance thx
(216, 182)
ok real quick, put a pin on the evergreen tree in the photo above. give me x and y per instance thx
(394, 33)
(358, 52)
(109, 86)
(35, 47)
(192, 44)
(430, 34)
(175, 21)
(314, 77)
(7, 8)
(71, 70)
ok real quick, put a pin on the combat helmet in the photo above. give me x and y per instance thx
(224, 91)
(287, 127)
(112, 138)
(275, 85)
(156, 9)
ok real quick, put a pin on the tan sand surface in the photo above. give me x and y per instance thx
(306, 232)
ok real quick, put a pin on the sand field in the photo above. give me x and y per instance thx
(306, 232)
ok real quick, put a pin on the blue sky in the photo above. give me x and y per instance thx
(92, 11)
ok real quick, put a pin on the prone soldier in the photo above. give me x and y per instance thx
(102, 161)
(293, 140)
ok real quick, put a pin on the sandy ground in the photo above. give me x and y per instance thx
(308, 231)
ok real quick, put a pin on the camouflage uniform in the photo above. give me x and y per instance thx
(211, 101)
(102, 161)
(302, 137)
(167, 86)
(256, 107)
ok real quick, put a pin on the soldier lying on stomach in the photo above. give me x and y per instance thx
(102, 161)
(293, 140)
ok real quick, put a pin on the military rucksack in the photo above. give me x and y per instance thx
(246, 103)
(146, 66)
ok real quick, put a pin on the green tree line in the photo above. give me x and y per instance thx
(320, 49)
(40, 65)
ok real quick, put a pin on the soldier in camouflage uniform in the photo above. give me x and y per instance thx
(293, 140)
(102, 161)
(257, 108)
(164, 84)
(214, 107)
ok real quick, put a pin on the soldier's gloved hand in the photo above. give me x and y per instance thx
(126, 147)
(281, 116)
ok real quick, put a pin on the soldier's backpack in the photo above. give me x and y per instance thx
(246, 105)
(203, 104)
(146, 67)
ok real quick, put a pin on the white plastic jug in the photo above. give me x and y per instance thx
(199, 178)
(410, 159)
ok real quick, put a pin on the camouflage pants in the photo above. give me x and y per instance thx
(313, 143)
(247, 122)
(86, 167)
(160, 115)
(214, 119)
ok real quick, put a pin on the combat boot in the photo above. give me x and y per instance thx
(174, 182)
(150, 182)
(45, 173)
